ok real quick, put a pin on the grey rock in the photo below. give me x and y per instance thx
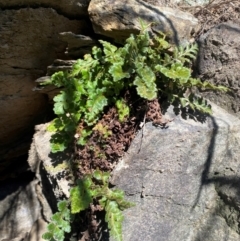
(176, 3)
(218, 63)
(118, 19)
(53, 171)
(78, 45)
(19, 209)
(184, 180)
(37, 230)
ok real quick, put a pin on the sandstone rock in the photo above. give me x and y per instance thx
(117, 19)
(78, 44)
(29, 43)
(73, 8)
(184, 180)
(218, 63)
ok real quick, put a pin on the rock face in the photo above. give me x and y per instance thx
(218, 63)
(184, 181)
(117, 19)
(29, 43)
(52, 170)
(19, 209)
(73, 8)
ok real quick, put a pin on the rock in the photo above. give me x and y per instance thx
(49, 90)
(184, 180)
(174, 3)
(60, 65)
(29, 43)
(218, 63)
(38, 229)
(78, 45)
(19, 209)
(52, 170)
(74, 8)
(119, 18)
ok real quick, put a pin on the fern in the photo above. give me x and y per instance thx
(97, 81)
(95, 186)
(154, 67)
(60, 223)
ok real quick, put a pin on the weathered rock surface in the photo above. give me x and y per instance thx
(78, 44)
(52, 170)
(117, 19)
(29, 43)
(218, 63)
(19, 209)
(184, 181)
(73, 8)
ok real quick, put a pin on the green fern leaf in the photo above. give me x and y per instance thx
(58, 147)
(58, 109)
(58, 234)
(108, 48)
(48, 236)
(55, 125)
(117, 73)
(56, 218)
(81, 195)
(114, 218)
(144, 90)
(177, 71)
(59, 79)
(95, 106)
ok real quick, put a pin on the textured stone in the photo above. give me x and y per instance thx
(78, 44)
(38, 229)
(73, 8)
(52, 170)
(184, 180)
(118, 18)
(29, 42)
(218, 63)
(19, 209)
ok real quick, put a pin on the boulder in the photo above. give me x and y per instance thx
(73, 8)
(29, 43)
(218, 63)
(184, 180)
(119, 18)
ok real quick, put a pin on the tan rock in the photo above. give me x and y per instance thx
(118, 18)
(29, 42)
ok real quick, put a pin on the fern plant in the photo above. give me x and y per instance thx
(90, 188)
(95, 187)
(153, 66)
(60, 223)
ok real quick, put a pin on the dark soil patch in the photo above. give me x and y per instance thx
(104, 148)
